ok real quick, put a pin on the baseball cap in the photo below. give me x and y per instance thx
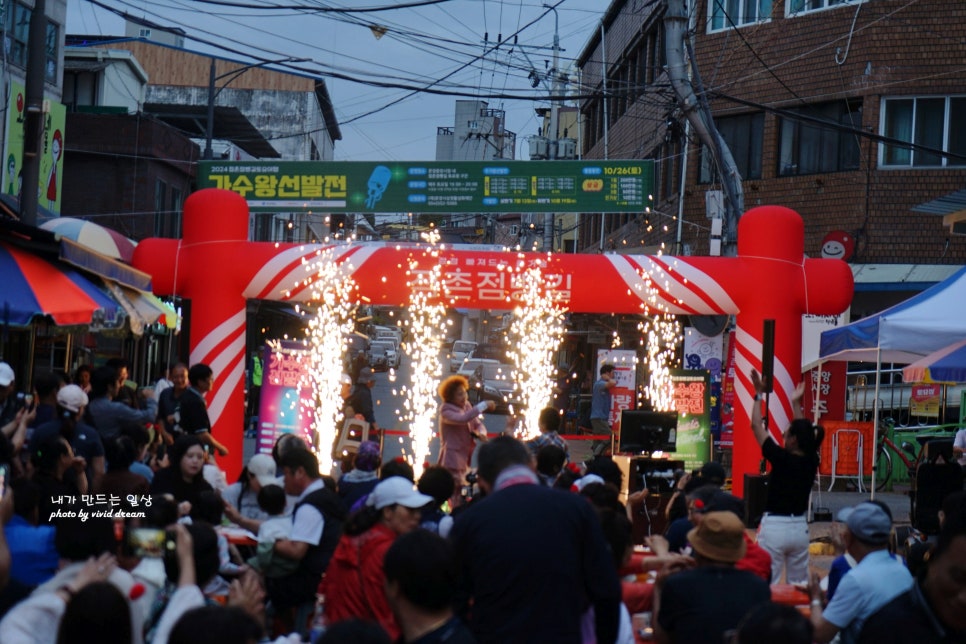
(365, 376)
(262, 467)
(868, 522)
(396, 490)
(72, 398)
(6, 374)
(368, 457)
(346, 379)
(720, 537)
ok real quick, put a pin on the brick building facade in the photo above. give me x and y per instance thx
(813, 98)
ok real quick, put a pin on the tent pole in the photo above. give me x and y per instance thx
(875, 419)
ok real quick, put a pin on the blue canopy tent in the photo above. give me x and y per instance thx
(903, 333)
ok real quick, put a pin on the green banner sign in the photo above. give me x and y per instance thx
(692, 400)
(435, 186)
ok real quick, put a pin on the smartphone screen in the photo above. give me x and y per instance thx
(3, 480)
(148, 542)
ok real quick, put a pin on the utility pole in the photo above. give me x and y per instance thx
(552, 147)
(698, 114)
(34, 113)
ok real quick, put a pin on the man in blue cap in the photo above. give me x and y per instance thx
(876, 579)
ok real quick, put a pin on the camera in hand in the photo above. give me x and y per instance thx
(152, 543)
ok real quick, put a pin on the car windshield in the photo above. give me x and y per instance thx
(463, 347)
(496, 372)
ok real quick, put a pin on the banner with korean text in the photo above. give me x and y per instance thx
(692, 400)
(435, 186)
(282, 398)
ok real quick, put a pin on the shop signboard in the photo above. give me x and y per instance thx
(924, 400)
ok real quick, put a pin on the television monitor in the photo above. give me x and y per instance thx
(646, 432)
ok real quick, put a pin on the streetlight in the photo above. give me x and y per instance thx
(213, 93)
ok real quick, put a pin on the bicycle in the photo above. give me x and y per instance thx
(883, 456)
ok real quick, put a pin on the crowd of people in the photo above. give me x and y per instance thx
(533, 548)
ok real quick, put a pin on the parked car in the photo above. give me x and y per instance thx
(491, 380)
(469, 366)
(383, 355)
(462, 349)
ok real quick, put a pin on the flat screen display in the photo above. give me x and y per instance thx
(646, 432)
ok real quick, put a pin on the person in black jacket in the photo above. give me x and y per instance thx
(183, 478)
(532, 560)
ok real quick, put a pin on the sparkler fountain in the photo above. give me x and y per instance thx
(426, 315)
(535, 334)
(333, 292)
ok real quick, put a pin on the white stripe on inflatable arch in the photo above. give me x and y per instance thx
(270, 270)
(705, 283)
(779, 418)
(231, 325)
(633, 280)
(230, 379)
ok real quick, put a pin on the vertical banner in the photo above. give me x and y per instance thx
(727, 401)
(825, 392)
(50, 182)
(692, 393)
(281, 398)
(13, 140)
(706, 352)
(625, 371)
(52, 157)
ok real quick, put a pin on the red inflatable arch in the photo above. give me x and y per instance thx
(218, 269)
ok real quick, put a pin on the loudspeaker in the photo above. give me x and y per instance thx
(768, 356)
(756, 494)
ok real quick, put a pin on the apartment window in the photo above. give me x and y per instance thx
(938, 123)
(804, 6)
(16, 26)
(809, 147)
(726, 14)
(16, 36)
(743, 135)
(144, 32)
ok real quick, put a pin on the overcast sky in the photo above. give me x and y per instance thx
(441, 42)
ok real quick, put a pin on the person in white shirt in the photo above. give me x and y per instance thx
(959, 447)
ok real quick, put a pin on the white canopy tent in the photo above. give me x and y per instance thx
(904, 333)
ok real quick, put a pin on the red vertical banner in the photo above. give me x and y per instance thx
(825, 392)
(728, 396)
